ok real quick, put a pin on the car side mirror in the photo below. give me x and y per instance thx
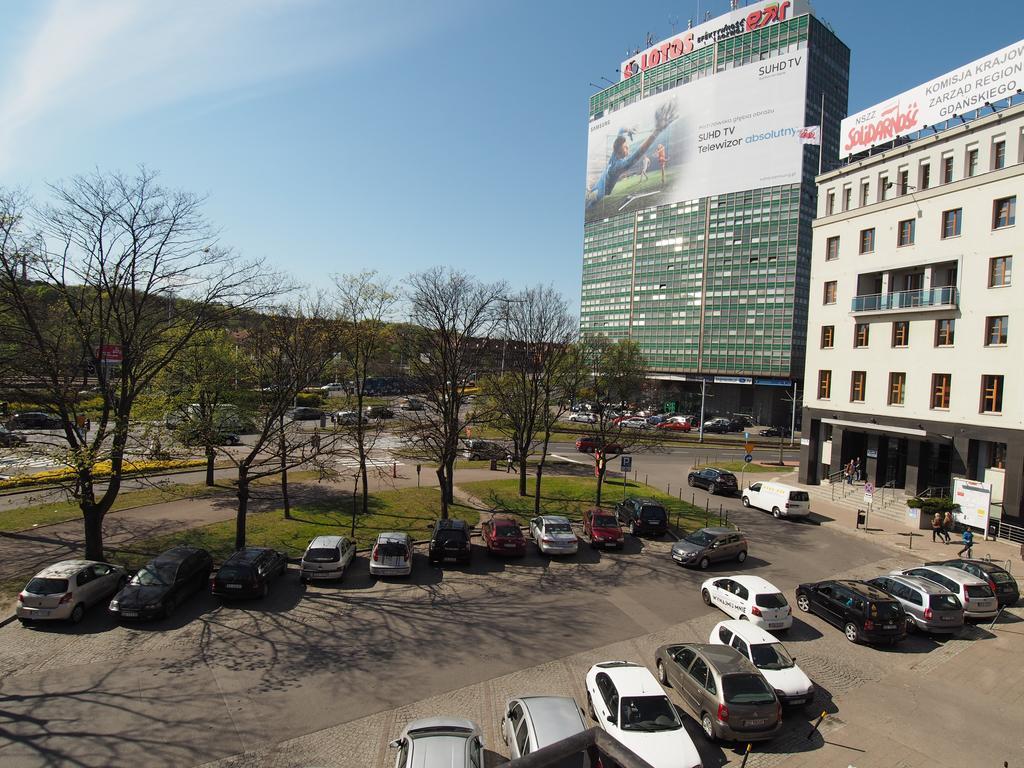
(395, 744)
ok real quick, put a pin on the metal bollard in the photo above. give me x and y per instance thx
(746, 754)
(669, 491)
(817, 725)
(719, 514)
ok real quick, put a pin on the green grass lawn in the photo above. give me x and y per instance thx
(752, 468)
(570, 496)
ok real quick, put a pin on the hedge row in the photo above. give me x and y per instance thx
(100, 471)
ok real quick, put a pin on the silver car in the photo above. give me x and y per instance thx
(554, 535)
(391, 555)
(66, 589)
(930, 607)
(326, 557)
(976, 595)
(534, 722)
(440, 742)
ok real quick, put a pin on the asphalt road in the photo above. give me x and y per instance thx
(215, 680)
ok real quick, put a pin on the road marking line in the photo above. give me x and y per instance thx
(566, 458)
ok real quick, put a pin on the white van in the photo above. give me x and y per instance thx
(781, 500)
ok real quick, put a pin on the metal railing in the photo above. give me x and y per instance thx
(945, 296)
(934, 492)
(891, 487)
(1007, 532)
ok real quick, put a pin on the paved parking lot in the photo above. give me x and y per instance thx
(327, 675)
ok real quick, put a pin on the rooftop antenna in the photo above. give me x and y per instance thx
(673, 22)
(707, 15)
(650, 39)
(689, 23)
(607, 80)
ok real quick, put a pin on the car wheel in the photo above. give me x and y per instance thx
(78, 613)
(803, 603)
(662, 676)
(690, 482)
(705, 596)
(708, 725)
(850, 630)
(742, 555)
(713, 489)
(704, 563)
(746, 502)
(25, 622)
(776, 513)
(744, 617)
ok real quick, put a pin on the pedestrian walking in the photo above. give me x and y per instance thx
(508, 463)
(849, 472)
(856, 470)
(316, 441)
(968, 539)
(936, 525)
(947, 526)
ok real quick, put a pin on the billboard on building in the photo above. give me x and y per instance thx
(738, 129)
(989, 79)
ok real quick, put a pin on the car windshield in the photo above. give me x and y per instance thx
(653, 512)
(322, 555)
(557, 528)
(746, 689)
(770, 656)
(771, 600)
(151, 576)
(979, 590)
(605, 521)
(507, 532)
(450, 535)
(944, 602)
(47, 586)
(648, 713)
(229, 572)
(700, 538)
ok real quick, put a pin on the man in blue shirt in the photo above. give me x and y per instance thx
(622, 159)
(968, 543)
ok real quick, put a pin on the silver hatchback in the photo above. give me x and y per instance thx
(976, 595)
(534, 722)
(392, 555)
(930, 607)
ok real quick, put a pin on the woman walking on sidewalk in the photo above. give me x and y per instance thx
(947, 526)
(936, 525)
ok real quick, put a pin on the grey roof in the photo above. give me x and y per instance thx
(554, 718)
(921, 583)
(724, 658)
(718, 531)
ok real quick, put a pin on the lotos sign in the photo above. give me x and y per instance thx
(728, 25)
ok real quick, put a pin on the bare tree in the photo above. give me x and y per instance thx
(118, 276)
(450, 312)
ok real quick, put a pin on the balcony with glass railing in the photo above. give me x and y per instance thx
(945, 297)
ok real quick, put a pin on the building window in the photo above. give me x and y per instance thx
(998, 155)
(858, 381)
(947, 169)
(926, 176)
(867, 240)
(999, 271)
(847, 198)
(944, 333)
(905, 233)
(883, 187)
(897, 388)
(832, 249)
(830, 202)
(995, 330)
(828, 336)
(1004, 212)
(865, 189)
(972, 163)
(824, 385)
(940, 389)
(830, 292)
(900, 333)
(951, 222)
(903, 182)
(992, 394)
(861, 334)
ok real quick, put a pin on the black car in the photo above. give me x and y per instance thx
(248, 573)
(642, 516)
(34, 420)
(10, 440)
(713, 480)
(450, 541)
(303, 413)
(774, 432)
(865, 613)
(379, 412)
(1002, 583)
(163, 584)
(717, 426)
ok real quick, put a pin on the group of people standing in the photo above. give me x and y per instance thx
(851, 471)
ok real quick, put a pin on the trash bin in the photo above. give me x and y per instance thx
(323, 420)
(494, 465)
(862, 518)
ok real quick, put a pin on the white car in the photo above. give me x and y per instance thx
(626, 701)
(750, 598)
(635, 422)
(440, 741)
(791, 684)
(583, 417)
(554, 535)
(66, 589)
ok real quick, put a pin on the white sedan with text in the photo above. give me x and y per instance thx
(749, 598)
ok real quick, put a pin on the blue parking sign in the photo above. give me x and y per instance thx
(625, 463)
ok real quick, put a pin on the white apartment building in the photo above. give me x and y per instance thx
(915, 359)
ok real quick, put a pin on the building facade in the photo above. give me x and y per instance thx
(914, 353)
(714, 286)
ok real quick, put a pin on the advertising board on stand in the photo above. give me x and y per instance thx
(974, 499)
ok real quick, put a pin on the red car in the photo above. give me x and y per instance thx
(591, 444)
(503, 536)
(601, 527)
(676, 425)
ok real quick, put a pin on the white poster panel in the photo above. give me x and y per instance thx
(736, 130)
(975, 499)
(989, 79)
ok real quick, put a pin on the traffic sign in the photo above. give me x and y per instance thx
(746, 436)
(748, 458)
(625, 463)
(748, 447)
(869, 492)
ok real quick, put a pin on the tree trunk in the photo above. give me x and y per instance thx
(361, 444)
(210, 456)
(536, 490)
(442, 484)
(93, 519)
(600, 480)
(355, 506)
(243, 506)
(522, 473)
(283, 449)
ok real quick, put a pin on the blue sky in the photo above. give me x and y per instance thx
(333, 136)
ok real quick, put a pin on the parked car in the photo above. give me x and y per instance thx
(751, 598)
(392, 554)
(642, 516)
(377, 412)
(591, 444)
(710, 545)
(503, 536)
(583, 417)
(602, 528)
(195, 437)
(718, 426)
(779, 499)
(774, 432)
(65, 590)
(348, 418)
(303, 413)
(440, 741)
(713, 481)
(865, 613)
(627, 702)
(248, 573)
(412, 404)
(534, 722)
(554, 535)
(326, 557)
(10, 439)
(34, 420)
(450, 541)
(635, 422)
(334, 386)
(476, 450)
(675, 424)
(163, 583)
(763, 649)
(722, 690)
(976, 594)
(1002, 583)
(930, 607)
